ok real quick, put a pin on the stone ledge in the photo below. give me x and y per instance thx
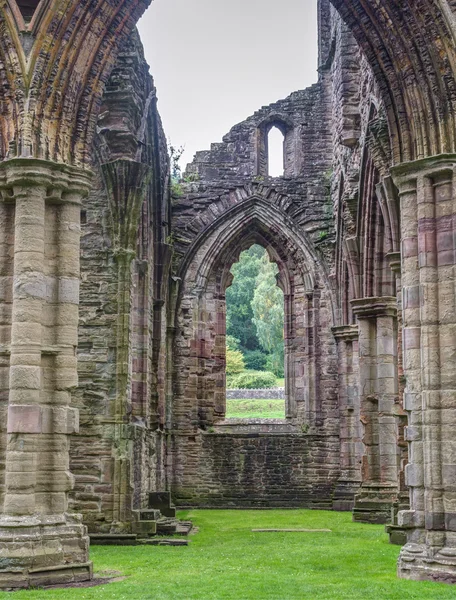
(366, 308)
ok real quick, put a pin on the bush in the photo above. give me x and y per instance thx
(234, 362)
(255, 360)
(251, 380)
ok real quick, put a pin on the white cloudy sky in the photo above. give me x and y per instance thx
(216, 61)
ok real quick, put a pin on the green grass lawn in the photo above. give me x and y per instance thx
(255, 409)
(226, 561)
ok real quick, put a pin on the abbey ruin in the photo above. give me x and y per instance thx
(112, 288)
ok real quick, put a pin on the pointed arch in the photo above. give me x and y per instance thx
(61, 83)
(410, 48)
(200, 312)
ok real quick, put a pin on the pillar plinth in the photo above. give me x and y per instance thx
(40, 543)
(428, 210)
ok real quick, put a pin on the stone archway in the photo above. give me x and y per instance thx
(410, 48)
(55, 57)
(199, 363)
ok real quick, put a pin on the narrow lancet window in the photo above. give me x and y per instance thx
(255, 339)
(275, 152)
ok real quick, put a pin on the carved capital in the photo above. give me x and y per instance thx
(63, 183)
(369, 308)
(346, 333)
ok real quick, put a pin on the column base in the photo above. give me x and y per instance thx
(398, 533)
(344, 495)
(417, 563)
(373, 504)
(43, 550)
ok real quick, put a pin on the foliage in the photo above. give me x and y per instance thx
(251, 380)
(255, 409)
(255, 360)
(239, 296)
(275, 363)
(268, 315)
(175, 155)
(234, 362)
(255, 311)
(232, 342)
(225, 560)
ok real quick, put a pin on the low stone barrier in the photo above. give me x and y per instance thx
(265, 394)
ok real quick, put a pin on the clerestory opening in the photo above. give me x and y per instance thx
(255, 351)
(275, 152)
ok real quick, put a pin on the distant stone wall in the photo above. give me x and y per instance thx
(257, 470)
(264, 394)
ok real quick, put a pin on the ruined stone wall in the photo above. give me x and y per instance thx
(226, 203)
(366, 212)
(118, 456)
(257, 470)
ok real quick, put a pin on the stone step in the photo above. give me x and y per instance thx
(113, 539)
(184, 527)
(164, 542)
(162, 502)
(166, 526)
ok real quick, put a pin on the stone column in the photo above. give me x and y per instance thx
(428, 209)
(349, 416)
(379, 405)
(126, 185)
(40, 543)
(397, 534)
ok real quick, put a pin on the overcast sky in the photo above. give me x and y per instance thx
(217, 61)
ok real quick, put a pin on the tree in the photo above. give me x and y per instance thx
(234, 362)
(268, 314)
(239, 313)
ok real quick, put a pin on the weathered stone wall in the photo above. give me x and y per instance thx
(118, 456)
(228, 202)
(256, 470)
(367, 232)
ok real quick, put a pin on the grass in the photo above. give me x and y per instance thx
(280, 382)
(226, 561)
(255, 409)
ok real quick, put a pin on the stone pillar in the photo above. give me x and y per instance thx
(126, 184)
(428, 209)
(379, 405)
(40, 543)
(397, 534)
(349, 415)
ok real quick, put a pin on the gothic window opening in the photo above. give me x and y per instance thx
(275, 149)
(255, 376)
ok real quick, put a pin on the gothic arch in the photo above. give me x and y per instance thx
(411, 50)
(200, 312)
(58, 81)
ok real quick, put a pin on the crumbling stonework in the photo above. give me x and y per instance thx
(118, 456)
(44, 179)
(112, 347)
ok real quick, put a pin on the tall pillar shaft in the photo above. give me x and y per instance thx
(428, 211)
(379, 407)
(39, 542)
(349, 415)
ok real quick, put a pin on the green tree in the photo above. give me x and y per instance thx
(239, 297)
(234, 362)
(268, 314)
